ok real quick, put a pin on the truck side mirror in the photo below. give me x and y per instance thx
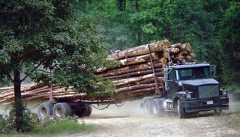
(213, 70)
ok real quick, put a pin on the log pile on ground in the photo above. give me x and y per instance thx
(133, 79)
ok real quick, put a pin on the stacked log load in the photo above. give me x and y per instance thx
(133, 78)
(136, 76)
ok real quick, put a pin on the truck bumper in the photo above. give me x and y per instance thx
(196, 105)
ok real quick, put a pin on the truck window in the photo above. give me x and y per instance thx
(193, 73)
(201, 72)
(171, 75)
(185, 73)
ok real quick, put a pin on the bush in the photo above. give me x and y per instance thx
(40, 127)
(29, 120)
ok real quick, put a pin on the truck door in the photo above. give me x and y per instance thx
(171, 81)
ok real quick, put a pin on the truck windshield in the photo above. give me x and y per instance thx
(193, 73)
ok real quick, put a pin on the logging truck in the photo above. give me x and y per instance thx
(156, 72)
(189, 89)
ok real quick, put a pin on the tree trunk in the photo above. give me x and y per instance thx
(18, 102)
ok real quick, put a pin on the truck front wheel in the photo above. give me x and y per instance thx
(181, 110)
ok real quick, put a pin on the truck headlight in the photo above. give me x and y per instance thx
(180, 84)
(188, 95)
(224, 91)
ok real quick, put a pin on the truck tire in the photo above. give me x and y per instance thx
(89, 111)
(60, 110)
(81, 110)
(181, 110)
(157, 107)
(148, 106)
(69, 109)
(44, 110)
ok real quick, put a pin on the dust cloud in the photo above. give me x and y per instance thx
(127, 109)
(234, 103)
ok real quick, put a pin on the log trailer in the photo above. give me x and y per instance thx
(189, 89)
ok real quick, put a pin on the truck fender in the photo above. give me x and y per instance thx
(176, 96)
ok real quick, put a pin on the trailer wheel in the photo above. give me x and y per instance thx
(181, 110)
(44, 110)
(157, 107)
(89, 111)
(69, 109)
(81, 110)
(60, 110)
(148, 106)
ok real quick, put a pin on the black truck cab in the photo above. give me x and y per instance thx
(191, 89)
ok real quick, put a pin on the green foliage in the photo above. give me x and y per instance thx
(234, 89)
(65, 126)
(141, 22)
(132, 23)
(44, 127)
(230, 49)
(28, 119)
(37, 36)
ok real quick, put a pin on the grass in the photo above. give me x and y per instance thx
(57, 128)
(63, 127)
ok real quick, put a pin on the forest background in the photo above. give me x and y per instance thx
(210, 26)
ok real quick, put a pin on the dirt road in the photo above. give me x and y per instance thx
(131, 121)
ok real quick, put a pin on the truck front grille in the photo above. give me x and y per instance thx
(208, 91)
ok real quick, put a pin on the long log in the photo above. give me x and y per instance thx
(146, 81)
(134, 93)
(173, 50)
(140, 50)
(133, 74)
(138, 59)
(134, 79)
(130, 88)
(161, 61)
(151, 80)
(132, 68)
(182, 47)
